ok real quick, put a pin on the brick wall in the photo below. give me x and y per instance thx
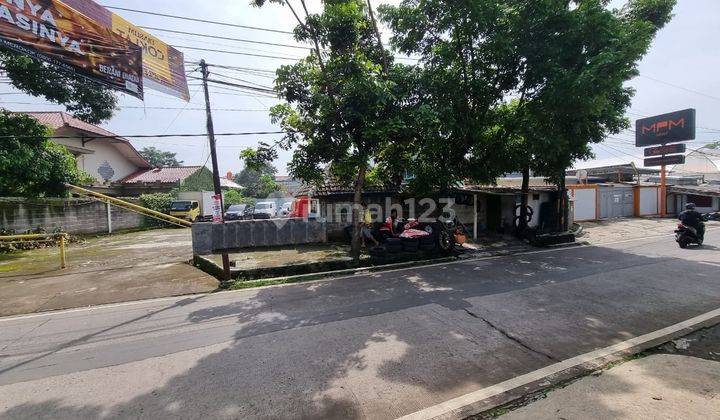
(75, 216)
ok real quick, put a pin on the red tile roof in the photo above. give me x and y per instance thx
(167, 175)
(57, 119)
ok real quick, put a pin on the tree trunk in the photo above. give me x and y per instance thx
(524, 190)
(357, 214)
(562, 205)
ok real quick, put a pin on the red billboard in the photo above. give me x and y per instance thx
(51, 31)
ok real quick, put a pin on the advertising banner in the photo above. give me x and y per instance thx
(669, 149)
(665, 160)
(163, 65)
(51, 31)
(666, 128)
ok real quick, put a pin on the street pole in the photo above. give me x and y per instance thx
(213, 156)
(663, 192)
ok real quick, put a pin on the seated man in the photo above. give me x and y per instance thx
(393, 226)
(366, 229)
(693, 219)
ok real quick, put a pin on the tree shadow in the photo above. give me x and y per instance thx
(387, 344)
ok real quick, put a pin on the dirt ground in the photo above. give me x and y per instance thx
(265, 258)
(107, 269)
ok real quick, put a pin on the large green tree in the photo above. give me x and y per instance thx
(342, 101)
(159, 158)
(88, 101)
(530, 83)
(469, 66)
(590, 53)
(30, 164)
(258, 181)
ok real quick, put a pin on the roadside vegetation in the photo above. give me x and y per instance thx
(491, 87)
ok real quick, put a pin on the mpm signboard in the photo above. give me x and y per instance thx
(668, 149)
(666, 128)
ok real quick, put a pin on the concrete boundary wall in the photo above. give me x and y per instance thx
(72, 215)
(209, 238)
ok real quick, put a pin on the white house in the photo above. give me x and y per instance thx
(102, 154)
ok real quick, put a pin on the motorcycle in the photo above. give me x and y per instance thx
(687, 235)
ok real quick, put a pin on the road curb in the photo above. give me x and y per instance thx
(524, 389)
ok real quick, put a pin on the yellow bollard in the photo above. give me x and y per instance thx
(62, 251)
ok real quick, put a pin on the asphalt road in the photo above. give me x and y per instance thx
(372, 346)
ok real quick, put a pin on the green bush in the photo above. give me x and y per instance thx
(233, 197)
(158, 202)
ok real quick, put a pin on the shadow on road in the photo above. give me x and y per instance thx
(384, 345)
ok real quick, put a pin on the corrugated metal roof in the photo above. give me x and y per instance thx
(166, 175)
(335, 188)
(705, 189)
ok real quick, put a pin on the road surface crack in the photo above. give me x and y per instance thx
(510, 337)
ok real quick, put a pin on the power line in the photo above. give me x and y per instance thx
(681, 87)
(236, 85)
(226, 38)
(213, 22)
(153, 107)
(237, 53)
(242, 80)
(237, 68)
(143, 136)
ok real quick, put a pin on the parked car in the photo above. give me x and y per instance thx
(285, 209)
(265, 210)
(236, 212)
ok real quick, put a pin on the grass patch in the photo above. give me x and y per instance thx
(6, 268)
(243, 284)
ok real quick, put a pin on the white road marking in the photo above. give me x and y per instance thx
(357, 274)
(446, 408)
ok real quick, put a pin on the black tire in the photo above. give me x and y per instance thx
(428, 247)
(683, 242)
(393, 248)
(378, 251)
(410, 245)
(427, 241)
(445, 241)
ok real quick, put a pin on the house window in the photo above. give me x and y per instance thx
(700, 200)
(536, 197)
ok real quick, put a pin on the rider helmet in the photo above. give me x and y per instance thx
(690, 206)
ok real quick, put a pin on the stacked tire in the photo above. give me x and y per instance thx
(428, 243)
(394, 245)
(410, 244)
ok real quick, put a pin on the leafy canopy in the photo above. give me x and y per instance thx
(508, 84)
(342, 101)
(87, 101)
(32, 165)
(259, 181)
(159, 158)
(583, 97)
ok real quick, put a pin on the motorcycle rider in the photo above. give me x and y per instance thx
(693, 219)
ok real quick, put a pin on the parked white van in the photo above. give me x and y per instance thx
(265, 210)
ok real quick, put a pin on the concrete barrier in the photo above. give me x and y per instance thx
(209, 238)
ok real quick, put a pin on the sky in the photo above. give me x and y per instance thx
(680, 71)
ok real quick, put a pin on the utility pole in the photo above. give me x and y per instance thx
(213, 156)
(663, 191)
